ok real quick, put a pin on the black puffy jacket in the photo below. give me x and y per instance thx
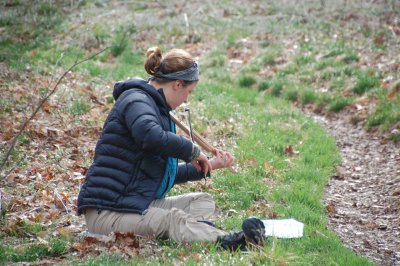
(132, 153)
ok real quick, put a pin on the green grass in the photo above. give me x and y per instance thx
(365, 82)
(102, 260)
(386, 113)
(276, 86)
(299, 180)
(300, 184)
(27, 29)
(32, 251)
(303, 60)
(395, 137)
(338, 103)
(308, 96)
(216, 59)
(291, 94)
(120, 41)
(255, 126)
(79, 107)
(247, 81)
(288, 69)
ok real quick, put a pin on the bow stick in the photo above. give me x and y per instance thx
(198, 138)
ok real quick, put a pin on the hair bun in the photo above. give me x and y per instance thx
(153, 60)
(153, 51)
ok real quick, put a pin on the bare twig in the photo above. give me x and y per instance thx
(24, 125)
(60, 198)
(55, 66)
(1, 205)
(318, 232)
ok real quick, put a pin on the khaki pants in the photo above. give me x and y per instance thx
(175, 217)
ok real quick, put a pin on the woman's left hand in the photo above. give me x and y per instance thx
(223, 159)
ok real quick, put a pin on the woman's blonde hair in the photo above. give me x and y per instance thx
(173, 61)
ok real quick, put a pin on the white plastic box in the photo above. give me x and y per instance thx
(283, 228)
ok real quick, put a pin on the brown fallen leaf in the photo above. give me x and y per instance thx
(340, 173)
(379, 40)
(52, 214)
(394, 91)
(371, 226)
(290, 151)
(181, 256)
(8, 135)
(89, 90)
(60, 201)
(35, 217)
(196, 256)
(273, 215)
(251, 162)
(127, 239)
(396, 193)
(268, 168)
(86, 244)
(331, 208)
(48, 175)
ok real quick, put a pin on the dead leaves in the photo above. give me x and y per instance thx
(375, 226)
(61, 200)
(196, 256)
(394, 91)
(241, 53)
(209, 187)
(40, 197)
(92, 95)
(273, 215)
(262, 208)
(268, 168)
(396, 193)
(379, 40)
(331, 208)
(340, 173)
(123, 243)
(47, 107)
(289, 151)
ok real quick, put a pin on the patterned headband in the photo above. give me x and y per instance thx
(189, 74)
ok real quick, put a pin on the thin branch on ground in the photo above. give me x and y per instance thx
(54, 89)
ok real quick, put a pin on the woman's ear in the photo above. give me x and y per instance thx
(177, 84)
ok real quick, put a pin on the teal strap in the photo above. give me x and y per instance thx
(170, 173)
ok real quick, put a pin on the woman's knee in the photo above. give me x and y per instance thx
(203, 196)
(203, 204)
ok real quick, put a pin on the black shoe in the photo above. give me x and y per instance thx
(233, 241)
(254, 231)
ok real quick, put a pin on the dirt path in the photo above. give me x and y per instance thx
(363, 198)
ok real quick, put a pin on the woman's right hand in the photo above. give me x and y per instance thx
(201, 163)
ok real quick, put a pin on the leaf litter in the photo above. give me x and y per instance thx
(362, 199)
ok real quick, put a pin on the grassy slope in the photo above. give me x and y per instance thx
(235, 105)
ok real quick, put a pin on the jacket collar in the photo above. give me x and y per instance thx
(137, 83)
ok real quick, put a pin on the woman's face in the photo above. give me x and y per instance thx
(181, 93)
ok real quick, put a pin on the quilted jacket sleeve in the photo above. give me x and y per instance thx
(187, 172)
(141, 119)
